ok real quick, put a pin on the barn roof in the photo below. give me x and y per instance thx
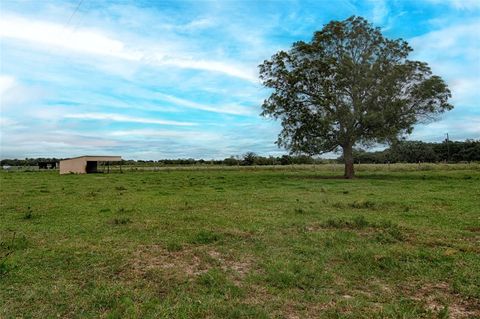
(98, 158)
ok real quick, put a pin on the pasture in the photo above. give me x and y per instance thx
(242, 243)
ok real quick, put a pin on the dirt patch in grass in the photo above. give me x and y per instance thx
(473, 245)
(261, 295)
(155, 257)
(188, 262)
(473, 229)
(451, 247)
(312, 310)
(238, 268)
(440, 299)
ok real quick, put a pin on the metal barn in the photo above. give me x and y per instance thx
(86, 164)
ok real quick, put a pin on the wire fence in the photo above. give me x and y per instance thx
(331, 167)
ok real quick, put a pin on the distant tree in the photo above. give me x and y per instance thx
(413, 152)
(286, 160)
(303, 159)
(362, 156)
(249, 159)
(470, 151)
(349, 86)
(231, 161)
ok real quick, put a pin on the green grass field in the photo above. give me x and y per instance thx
(242, 243)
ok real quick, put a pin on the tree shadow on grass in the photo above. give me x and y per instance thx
(341, 177)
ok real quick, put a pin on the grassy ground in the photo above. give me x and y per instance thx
(290, 243)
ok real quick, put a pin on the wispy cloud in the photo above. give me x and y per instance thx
(380, 11)
(97, 43)
(14, 93)
(123, 118)
(454, 53)
(56, 35)
(150, 133)
(6, 84)
(227, 109)
(459, 4)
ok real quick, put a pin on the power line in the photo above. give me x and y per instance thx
(73, 13)
(448, 150)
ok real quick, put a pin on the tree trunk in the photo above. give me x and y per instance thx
(348, 158)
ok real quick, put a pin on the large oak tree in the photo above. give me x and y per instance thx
(350, 85)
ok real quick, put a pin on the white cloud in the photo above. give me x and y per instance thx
(95, 42)
(123, 118)
(197, 24)
(465, 91)
(176, 60)
(459, 4)
(20, 142)
(150, 133)
(6, 82)
(52, 34)
(454, 53)
(4, 122)
(227, 109)
(458, 129)
(459, 40)
(14, 94)
(380, 11)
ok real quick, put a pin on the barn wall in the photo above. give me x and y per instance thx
(76, 165)
(103, 158)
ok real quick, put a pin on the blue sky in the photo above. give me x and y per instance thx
(172, 79)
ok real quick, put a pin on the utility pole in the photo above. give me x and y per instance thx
(448, 150)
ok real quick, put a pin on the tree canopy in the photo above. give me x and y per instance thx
(350, 85)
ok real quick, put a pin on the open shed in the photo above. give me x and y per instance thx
(47, 164)
(86, 164)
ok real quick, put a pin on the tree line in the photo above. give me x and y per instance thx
(418, 151)
(248, 159)
(399, 152)
(29, 161)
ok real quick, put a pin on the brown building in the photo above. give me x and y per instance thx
(85, 164)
